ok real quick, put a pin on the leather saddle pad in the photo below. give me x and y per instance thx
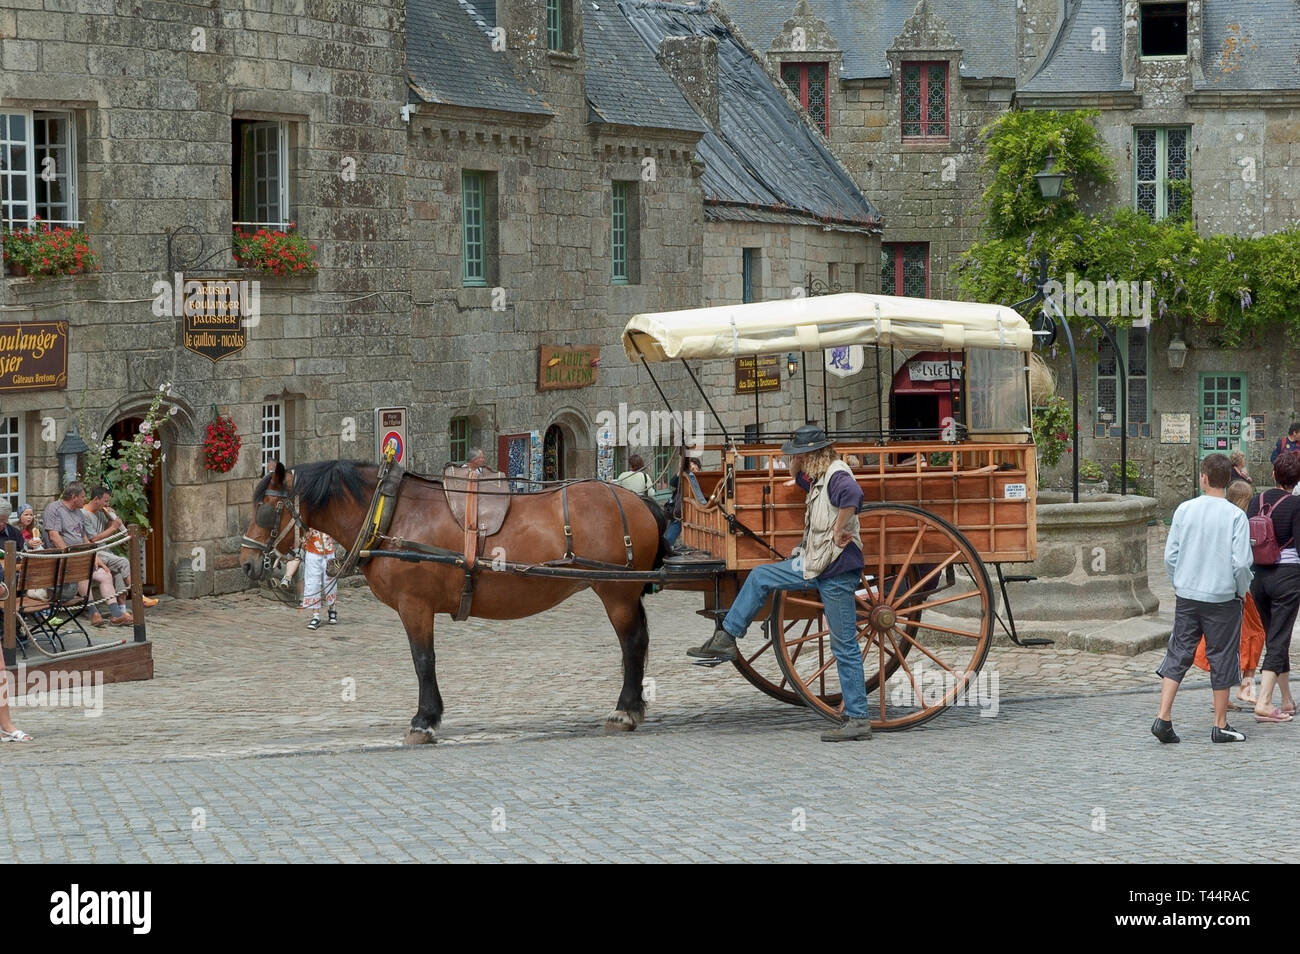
(493, 493)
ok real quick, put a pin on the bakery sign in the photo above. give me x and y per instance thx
(215, 313)
(33, 356)
(560, 367)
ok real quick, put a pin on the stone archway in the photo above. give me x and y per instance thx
(180, 439)
(578, 444)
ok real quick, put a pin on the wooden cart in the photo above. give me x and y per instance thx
(936, 512)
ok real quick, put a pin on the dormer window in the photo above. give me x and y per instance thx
(925, 101)
(808, 83)
(559, 26)
(1164, 29)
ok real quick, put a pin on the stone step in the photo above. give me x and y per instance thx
(1125, 637)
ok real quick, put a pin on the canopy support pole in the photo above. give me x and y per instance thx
(722, 427)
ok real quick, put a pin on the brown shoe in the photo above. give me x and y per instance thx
(97, 620)
(126, 619)
(148, 601)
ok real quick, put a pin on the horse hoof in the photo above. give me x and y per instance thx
(419, 737)
(622, 721)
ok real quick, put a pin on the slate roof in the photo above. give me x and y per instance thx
(762, 156)
(1245, 46)
(449, 59)
(625, 83)
(864, 29)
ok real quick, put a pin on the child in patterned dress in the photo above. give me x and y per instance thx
(318, 550)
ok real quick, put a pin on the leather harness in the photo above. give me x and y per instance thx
(384, 503)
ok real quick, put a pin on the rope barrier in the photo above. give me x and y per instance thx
(106, 544)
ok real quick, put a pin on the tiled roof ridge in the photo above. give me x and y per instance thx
(472, 12)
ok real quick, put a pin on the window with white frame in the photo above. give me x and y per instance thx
(38, 168)
(272, 433)
(12, 483)
(260, 173)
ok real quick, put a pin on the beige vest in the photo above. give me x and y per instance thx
(819, 549)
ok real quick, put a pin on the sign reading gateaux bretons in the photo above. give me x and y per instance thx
(33, 356)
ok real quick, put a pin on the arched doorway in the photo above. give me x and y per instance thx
(154, 576)
(553, 464)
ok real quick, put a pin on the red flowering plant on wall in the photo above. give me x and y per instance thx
(221, 444)
(45, 250)
(275, 252)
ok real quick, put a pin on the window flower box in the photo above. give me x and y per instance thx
(274, 252)
(42, 250)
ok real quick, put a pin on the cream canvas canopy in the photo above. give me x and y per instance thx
(826, 321)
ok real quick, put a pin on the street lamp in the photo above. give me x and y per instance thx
(70, 449)
(791, 364)
(1177, 352)
(1050, 181)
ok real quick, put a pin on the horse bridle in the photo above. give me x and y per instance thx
(268, 518)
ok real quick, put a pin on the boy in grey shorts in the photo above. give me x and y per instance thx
(1208, 558)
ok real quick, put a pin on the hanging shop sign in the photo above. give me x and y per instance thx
(33, 356)
(758, 373)
(563, 366)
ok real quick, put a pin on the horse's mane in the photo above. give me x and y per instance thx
(326, 480)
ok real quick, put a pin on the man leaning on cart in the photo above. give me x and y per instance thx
(829, 557)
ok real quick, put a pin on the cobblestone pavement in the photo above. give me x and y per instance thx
(247, 721)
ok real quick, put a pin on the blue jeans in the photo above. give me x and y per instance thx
(673, 532)
(841, 613)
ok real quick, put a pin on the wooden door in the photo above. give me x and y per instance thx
(154, 575)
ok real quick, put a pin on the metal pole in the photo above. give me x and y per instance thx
(826, 414)
(803, 360)
(707, 402)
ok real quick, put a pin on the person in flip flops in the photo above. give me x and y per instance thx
(1276, 590)
(1208, 558)
(8, 731)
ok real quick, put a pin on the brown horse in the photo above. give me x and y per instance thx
(334, 496)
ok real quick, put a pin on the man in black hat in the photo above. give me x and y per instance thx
(829, 558)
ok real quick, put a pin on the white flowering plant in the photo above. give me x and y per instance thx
(127, 468)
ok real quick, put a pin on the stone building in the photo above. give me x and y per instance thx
(1205, 92)
(492, 191)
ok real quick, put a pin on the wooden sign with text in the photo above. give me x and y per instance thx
(758, 373)
(33, 356)
(561, 367)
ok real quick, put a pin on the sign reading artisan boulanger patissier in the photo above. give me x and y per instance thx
(33, 356)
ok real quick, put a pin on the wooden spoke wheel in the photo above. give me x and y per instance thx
(797, 616)
(923, 631)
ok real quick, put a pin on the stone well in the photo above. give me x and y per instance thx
(1092, 560)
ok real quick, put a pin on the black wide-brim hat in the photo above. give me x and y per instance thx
(805, 440)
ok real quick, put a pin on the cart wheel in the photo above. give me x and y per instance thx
(798, 616)
(929, 569)
(761, 668)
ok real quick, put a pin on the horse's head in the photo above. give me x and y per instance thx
(274, 514)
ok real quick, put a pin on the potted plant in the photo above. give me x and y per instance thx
(1090, 477)
(274, 252)
(1134, 478)
(47, 251)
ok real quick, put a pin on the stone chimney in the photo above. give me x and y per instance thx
(692, 62)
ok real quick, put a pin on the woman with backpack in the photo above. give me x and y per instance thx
(1276, 587)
